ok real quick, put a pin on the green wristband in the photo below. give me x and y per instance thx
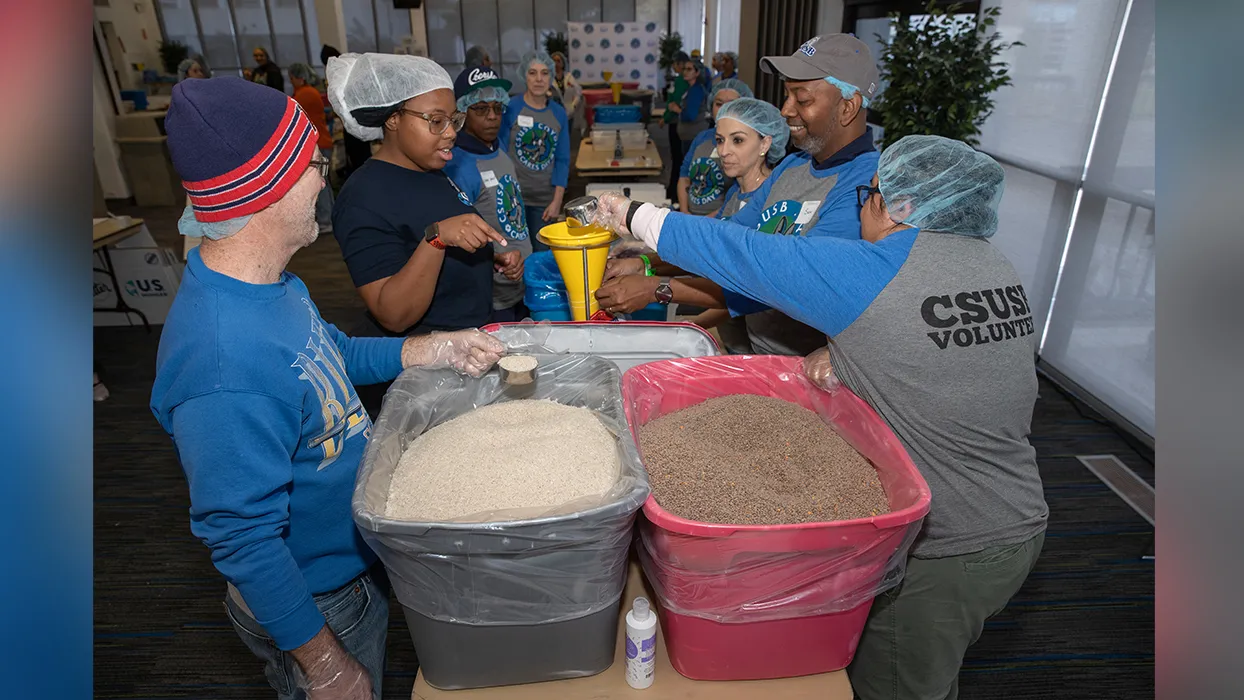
(647, 265)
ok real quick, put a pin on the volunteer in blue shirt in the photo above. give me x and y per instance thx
(702, 184)
(828, 84)
(483, 171)
(256, 390)
(729, 65)
(931, 326)
(692, 109)
(536, 134)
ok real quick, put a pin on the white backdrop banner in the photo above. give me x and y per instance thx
(631, 50)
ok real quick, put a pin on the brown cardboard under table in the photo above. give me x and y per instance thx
(668, 684)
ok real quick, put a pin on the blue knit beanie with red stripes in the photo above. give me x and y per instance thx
(238, 146)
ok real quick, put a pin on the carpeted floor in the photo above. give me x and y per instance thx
(1081, 627)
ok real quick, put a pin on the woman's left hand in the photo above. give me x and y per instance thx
(674, 107)
(553, 209)
(510, 264)
(627, 294)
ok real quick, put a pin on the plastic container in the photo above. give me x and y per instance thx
(751, 602)
(625, 344)
(616, 114)
(641, 644)
(604, 137)
(515, 596)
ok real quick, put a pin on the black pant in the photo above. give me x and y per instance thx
(676, 154)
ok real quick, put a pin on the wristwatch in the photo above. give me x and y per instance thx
(432, 234)
(664, 293)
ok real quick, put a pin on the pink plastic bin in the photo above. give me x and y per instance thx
(750, 602)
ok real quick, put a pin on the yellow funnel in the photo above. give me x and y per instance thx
(581, 254)
(607, 75)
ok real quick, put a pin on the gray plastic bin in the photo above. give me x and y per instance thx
(512, 597)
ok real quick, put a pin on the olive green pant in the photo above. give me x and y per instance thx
(918, 632)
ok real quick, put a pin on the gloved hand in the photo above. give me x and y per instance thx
(818, 369)
(611, 208)
(469, 352)
(328, 672)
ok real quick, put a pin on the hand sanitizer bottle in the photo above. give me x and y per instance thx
(641, 644)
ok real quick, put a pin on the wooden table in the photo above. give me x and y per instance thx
(668, 684)
(635, 163)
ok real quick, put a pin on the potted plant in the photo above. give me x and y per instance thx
(940, 76)
(172, 53)
(671, 43)
(555, 42)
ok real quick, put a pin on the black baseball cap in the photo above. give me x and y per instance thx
(476, 77)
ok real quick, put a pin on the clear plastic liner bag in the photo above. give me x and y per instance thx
(517, 566)
(625, 344)
(754, 573)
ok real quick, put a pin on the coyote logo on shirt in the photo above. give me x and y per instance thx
(510, 214)
(707, 181)
(340, 408)
(780, 218)
(534, 145)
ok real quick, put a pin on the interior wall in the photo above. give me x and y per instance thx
(138, 28)
(829, 17)
(749, 58)
(332, 24)
(106, 155)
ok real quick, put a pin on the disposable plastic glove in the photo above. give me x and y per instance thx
(334, 675)
(469, 352)
(818, 369)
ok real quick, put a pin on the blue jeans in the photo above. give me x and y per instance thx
(357, 613)
(535, 221)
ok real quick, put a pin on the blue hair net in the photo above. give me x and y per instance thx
(731, 84)
(303, 72)
(191, 227)
(764, 118)
(535, 57)
(183, 69)
(848, 90)
(488, 93)
(940, 184)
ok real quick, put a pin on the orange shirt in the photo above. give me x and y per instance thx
(309, 99)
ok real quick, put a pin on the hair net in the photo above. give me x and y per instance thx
(303, 72)
(475, 56)
(365, 89)
(534, 57)
(183, 68)
(488, 93)
(940, 184)
(848, 90)
(733, 57)
(764, 118)
(731, 84)
(191, 227)
(198, 58)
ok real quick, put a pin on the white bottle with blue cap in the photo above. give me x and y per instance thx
(641, 644)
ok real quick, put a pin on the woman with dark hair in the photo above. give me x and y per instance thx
(417, 251)
(357, 150)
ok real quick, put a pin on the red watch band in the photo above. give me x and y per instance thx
(436, 243)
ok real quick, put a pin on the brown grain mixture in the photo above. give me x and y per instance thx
(756, 460)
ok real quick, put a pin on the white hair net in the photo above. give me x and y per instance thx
(731, 84)
(535, 57)
(488, 93)
(365, 89)
(764, 118)
(303, 72)
(940, 184)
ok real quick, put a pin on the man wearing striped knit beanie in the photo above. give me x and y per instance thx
(257, 392)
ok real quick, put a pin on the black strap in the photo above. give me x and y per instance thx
(630, 214)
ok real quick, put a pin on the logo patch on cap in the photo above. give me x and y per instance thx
(479, 75)
(808, 48)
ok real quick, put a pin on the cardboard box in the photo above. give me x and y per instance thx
(148, 278)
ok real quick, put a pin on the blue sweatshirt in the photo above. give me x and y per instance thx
(256, 391)
(693, 102)
(538, 141)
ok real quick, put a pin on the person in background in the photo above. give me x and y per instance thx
(750, 138)
(692, 110)
(483, 170)
(701, 183)
(266, 72)
(931, 326)
(417, 251)
(303, 78)
(674, 95)
(729, 66)
(536, 134)
(478, 56)
(190, 68)
(255, 389)
(565, 89)
(357, 150)
(715, 65)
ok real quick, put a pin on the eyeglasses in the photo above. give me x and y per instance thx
(863, 192)
(322, 165)
(483, 108)
(439, 122)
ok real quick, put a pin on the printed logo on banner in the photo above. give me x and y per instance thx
(636, 43)
(650, 27)
(575, 43)
(604, 43)
(535, 145)
(589, 59)
(576, 73)
(707, 181)
(650, 59)
(635, 74)
(619, 28)
(619, 59)
(588, 29)
(781, 218)
(510, 208)
(153, 287)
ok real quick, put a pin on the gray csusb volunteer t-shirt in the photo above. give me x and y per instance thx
(946, 355)
(532, 144)
(707, 191)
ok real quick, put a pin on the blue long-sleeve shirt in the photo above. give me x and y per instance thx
(693, 102)
(538, 141)
(256, 391)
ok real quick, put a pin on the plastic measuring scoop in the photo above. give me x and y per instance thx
(581, 253)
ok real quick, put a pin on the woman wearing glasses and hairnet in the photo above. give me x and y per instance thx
(929, 323)
(536, 134)
(416, 249)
